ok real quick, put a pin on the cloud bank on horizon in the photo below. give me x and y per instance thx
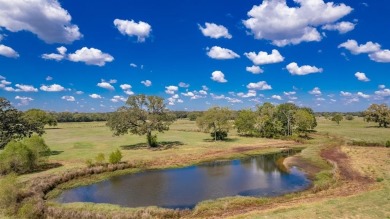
(328, 55)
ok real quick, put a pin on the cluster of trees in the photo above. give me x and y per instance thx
(17, 125)
(378, 113)
(272, 121)
(145, 114)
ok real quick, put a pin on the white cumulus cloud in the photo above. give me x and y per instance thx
(345, 94)
(218, 76)
(341, 27)
(105, 85)
(263, 58)
(182, 84)
(52, 88)
(274, 20)
(261, 85)
(384, 92)
(8, 51)
(215, 31)
(254, 69)
(131, 28)
(217, 52)
(90, 56)
(294, 69)
(316, 91)
(125, 86)
(95, 96)
(68, 98)
(356, 49)
(117, 98)
(147, 83)
(24, 100)
(361, 76)
(276, 97)
(362, 95)
(171, 89)
(45, 18)
(380, 56)
(56, 56)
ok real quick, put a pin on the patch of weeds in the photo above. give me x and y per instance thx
(379, 179)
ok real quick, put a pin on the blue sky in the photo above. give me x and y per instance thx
(90, 55)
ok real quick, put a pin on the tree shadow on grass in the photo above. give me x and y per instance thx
(46, 166)
(225, 140)
(53, 153)
(163, 145)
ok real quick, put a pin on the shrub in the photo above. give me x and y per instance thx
(115, 157)
(388, 144)
(89, 163)
(219, 135)
(38, 146)
(17, 157)
(100, 159)
(9, 190)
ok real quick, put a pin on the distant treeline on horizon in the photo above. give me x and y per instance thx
(192, 115)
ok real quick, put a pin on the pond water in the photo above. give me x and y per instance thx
(259, 176)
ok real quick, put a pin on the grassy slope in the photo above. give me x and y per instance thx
(374, 162)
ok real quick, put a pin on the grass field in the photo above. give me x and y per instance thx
(73, 143)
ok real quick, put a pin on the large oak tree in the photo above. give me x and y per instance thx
(142, 115)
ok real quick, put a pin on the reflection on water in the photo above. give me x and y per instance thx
(185, 187)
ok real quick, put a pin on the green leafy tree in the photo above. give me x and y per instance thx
(215, 120)
(115, 157)
(39, 118)
(13, 125)
(267, 122)
(245, 122)
(142, 115)
(337, 118)
(304, 121)
(379, 114)
(285, 114)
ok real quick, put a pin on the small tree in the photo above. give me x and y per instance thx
(142, 115)
(216, 121)
(349, 117)
(115, 157)
(337, 118)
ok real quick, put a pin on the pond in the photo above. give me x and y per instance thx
(260, 176)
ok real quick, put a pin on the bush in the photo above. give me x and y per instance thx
(100, 159)
(219, 135)
(24, 156)
(17, 157)
(9, 190)
(388, 144)
(89, 163)
(349, 117)
(115, 157)
(38, 146)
